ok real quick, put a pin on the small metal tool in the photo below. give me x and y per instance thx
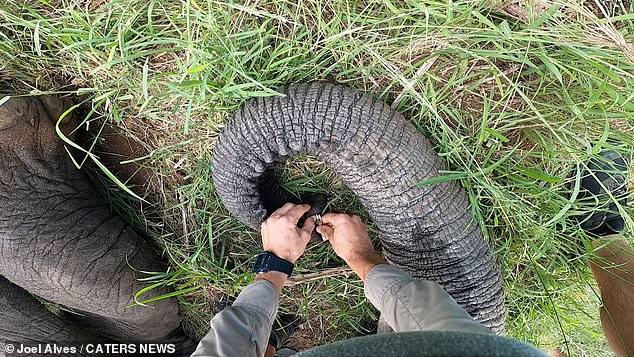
(317, 204)
(319, 222)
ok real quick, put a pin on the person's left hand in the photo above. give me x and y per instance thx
(282, 237)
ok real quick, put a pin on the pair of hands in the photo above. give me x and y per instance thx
(347, 235)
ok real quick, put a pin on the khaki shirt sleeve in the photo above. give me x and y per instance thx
(243, 328)
(408, 304)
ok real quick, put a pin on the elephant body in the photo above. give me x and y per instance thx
(428, 231)
(59, 241)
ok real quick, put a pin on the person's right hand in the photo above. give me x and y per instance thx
(350, 240)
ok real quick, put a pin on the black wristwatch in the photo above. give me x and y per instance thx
(267, 261)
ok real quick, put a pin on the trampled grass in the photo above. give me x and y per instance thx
(514, 98)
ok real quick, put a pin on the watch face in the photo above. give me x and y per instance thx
(259, 260)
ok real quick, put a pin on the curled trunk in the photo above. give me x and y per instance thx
(427, 231)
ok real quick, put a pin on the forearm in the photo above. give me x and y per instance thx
(415, 305)
(243, 329)
(362, 264)
(276, 278)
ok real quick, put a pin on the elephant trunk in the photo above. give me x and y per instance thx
(427, 231)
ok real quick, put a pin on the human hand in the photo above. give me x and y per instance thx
(282, 237)
(349, 238)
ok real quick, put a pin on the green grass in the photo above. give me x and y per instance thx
(513, 103)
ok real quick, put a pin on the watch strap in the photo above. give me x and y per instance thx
(267, 261)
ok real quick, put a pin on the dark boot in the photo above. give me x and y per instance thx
(602, 188)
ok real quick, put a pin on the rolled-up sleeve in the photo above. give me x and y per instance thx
(408, 304)
(243, 328)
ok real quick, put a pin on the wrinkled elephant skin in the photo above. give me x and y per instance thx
(427, 231)
(60, 242)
